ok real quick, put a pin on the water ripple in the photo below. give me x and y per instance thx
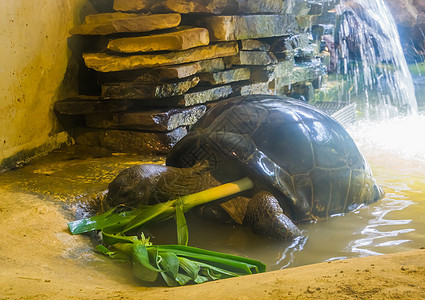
(373, 233)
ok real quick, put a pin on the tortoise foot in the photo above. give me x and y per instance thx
(265, 216)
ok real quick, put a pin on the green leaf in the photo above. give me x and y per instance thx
(210, 274)
(201, 279)
(160, 210)
(113, 254)
(183, 279)
(105, 251)
(112, 239)
(126, 248)
(141, 255)
(182, 230)
(191, 268)
(108, 220)
(169, 263)
(143, 273)
(233, 262)
(170, 281)
(223, 271)
(142, 267)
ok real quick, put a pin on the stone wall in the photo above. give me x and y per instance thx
(151, 68)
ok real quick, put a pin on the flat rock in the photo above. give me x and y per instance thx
(254, 45)
(252, 58)
(155, 120)
(139, 90)
(194, 98)
(303, 72)
(104, 18)
(90, 105)
(227, 76)
(108, 23)
(184, 70)
(229, 28)
(126, 141)
(283, 68)
(105, 62)
(138, 5)
(323, 29)
(259, 88)
(302, 8)
(196, 6)
(165, 74)
(179, 40)
(263, 6)
(291, 42)
(242, 7)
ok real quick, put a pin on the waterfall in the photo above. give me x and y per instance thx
(371, 59)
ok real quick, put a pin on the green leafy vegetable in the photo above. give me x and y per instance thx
(177, 264)
(182, 230)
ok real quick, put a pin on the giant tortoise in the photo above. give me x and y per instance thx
(303, 163)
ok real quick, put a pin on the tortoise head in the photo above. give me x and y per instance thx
(133, 186)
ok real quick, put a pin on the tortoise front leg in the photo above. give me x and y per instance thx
(265, 216)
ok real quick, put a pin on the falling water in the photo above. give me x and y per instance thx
(371, 59)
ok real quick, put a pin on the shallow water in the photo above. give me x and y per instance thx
(394, 148)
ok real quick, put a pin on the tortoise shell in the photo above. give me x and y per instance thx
(303, 156)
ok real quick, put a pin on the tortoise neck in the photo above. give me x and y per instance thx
(176, 182)
(199, 177)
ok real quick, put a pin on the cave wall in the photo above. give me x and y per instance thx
(410, 18)
(34, 57)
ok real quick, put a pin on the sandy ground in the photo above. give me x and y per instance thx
(39, 259)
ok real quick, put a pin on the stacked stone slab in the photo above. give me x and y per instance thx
(165, 62)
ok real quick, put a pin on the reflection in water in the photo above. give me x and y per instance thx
(396, 153)
(372, 235)
(288, 256)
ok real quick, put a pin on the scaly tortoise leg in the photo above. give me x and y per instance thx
(265, 216)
